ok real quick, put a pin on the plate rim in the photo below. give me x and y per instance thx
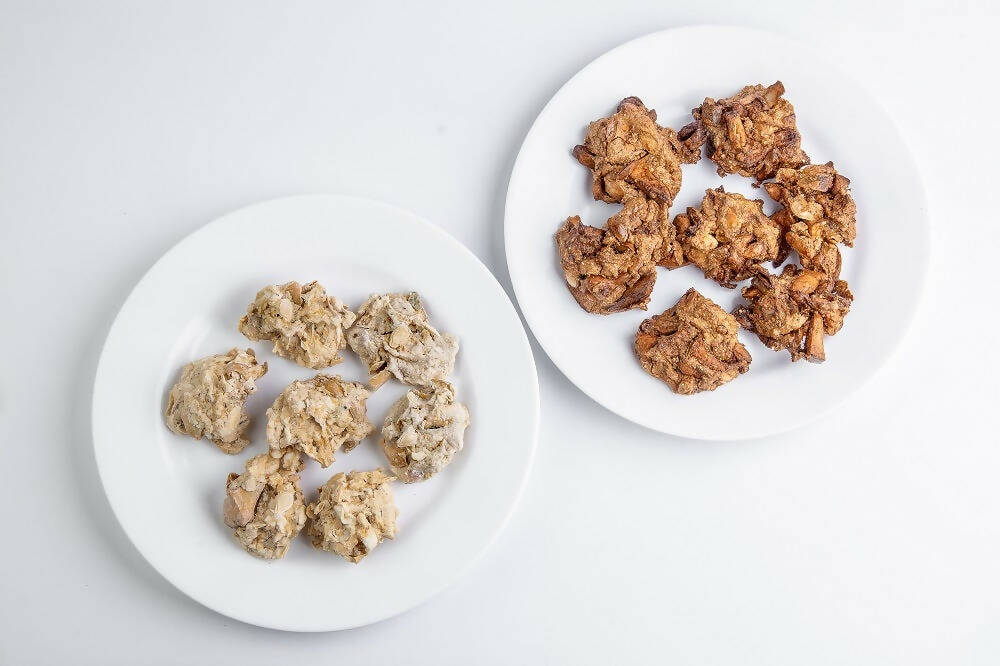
(918, 286)
(427, 227)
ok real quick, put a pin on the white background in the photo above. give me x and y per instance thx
(870, 537)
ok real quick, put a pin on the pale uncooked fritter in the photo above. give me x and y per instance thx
(318, 416)
(305, 324)
(423, 431)
(208, 400)
(394, 337)
(353, 514)
(264, 504)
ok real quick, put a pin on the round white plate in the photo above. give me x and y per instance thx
(167, 490)
(672, 72)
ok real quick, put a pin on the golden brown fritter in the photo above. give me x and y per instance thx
(795, 310)
(692, 346)
(646, 216)
(729, 236)
(817, 213)
(614, 268)
(603, 274)
(630, 154)
(752, 133)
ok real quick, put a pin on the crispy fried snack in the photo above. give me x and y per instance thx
(614, 268)
(795, 310)
(603, 274)
(729, 236)
(640, 216)
(692, 346)
(818, 213)
(752, 133)
(629, 153)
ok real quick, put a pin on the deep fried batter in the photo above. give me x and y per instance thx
(641, 216)
(752, 133)
(614, 268)
(692, 346)
(818, 213)
(795, 310)
(729, 236)
(603, 275)
(629, 153)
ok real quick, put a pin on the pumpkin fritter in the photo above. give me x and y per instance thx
(817, 213)
(641, 216)
(729, 236)
(752, 133)
(693, 346)
(795, 310)
(614, 268)
(630, 154)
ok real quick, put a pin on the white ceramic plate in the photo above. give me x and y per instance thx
(167, 490)
(672, 72)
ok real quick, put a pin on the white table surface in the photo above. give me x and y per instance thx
(870, 537)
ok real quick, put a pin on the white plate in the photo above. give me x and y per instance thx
(167, 490)
(672, 72)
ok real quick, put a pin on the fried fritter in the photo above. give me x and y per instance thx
(818, 213)
(692, 346)
(614, 268)
(752, 133)
(629, 154)
(641, 216)
(729, 236)
(795, 310)
(603, 275)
